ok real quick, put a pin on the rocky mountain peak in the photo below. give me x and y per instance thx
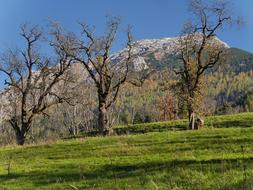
(159, 48)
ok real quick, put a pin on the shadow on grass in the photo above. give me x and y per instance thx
(146, 128)
(156, 127)
(71, 172)
(232, 123)
(138, 129)
(240, 185)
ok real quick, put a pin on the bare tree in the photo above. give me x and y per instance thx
(31, 81)
(79, 117)
(199, 50)
(94, 53)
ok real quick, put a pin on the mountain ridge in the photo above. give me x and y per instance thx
(158, 49)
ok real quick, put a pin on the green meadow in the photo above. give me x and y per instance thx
(145, 156)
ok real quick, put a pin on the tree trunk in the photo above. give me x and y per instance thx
(191, 119)
(76, 130)
(132, 115)
(103, 123)
(20, 137)
(71, 131)
(20, 133)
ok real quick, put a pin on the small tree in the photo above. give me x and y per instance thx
(199, 50)
(167, 107)
(31, 82)
(94, 53)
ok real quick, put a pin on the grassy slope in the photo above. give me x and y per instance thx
(231, 121)
(210, 158)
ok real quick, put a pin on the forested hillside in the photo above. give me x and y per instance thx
(228, 89)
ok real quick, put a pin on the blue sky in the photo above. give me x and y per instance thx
(149, 18)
